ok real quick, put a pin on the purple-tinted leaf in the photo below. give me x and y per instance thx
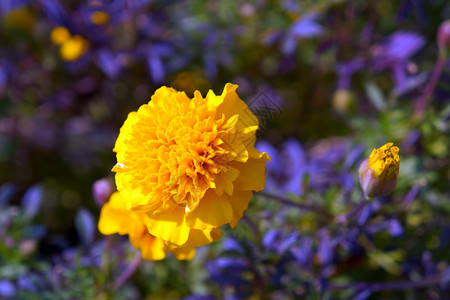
(210, 63)
(7, 289)
(108, 63)
(6, 6)
(428, 263)
(162, 50)
(84, 223)
(237, 264)
(364, 214)
(363, 295)
(345, 71)
(156, 68)
(295, 155)
(230, 244)
(3, 78)
(271, 37)
(7, 191)
(295, 184)
(353, 156)
(269, 239)
(307, 27)
(31, 201)
(346, 180)
(445, 281)
(304, 251)
(25, 283)
(401, 45)
(395, 228)
(54, 11)
(288, 45)
(397, 50)
(287, 242)
(325, 249)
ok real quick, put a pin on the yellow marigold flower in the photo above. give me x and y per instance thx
(99, 17)
(115, 218)
(191, 165)
(59, 35)
(378, 173)
(74, 48)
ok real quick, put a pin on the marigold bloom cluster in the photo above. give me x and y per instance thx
(72, 47)
(189, 165)
(378, 173)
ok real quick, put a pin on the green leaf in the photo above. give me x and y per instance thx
(375, 95)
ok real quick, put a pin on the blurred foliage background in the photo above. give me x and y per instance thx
(339, 78)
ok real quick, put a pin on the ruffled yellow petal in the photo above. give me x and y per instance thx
(115, 218)
(224, 181)
(170, 226)
(240, 204)
(198, 238)
(183, 253)
(213, 211)
(252, 174)
(152, 248)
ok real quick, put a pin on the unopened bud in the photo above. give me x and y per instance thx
(102, 190)
(378, 173)
(443, 35)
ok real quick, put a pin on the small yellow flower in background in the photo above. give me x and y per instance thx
(115, 218)
(99, 17)
(189, 165)
(72, 47)
(378, 173)
(59, 35)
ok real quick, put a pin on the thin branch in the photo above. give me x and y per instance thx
(351, 215)
(251, 226)
(423, 100)
(132, 267)
(289, 202)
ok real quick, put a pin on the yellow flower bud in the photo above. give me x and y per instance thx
(378, 173)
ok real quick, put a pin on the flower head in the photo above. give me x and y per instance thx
(378, 173)
(191, 165)
(72, 47)
(59, 35)
(115, 218)
(99, 17)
